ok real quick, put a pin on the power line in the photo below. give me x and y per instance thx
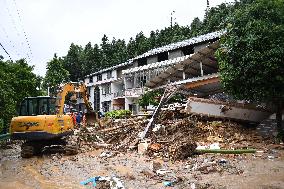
(6, 51)
(15, 27)
(25, 34)
(10, 41)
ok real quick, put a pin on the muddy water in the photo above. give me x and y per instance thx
(16, 172)
(57, 171)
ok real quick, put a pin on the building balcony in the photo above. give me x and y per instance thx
(134, 92)
(118, 94)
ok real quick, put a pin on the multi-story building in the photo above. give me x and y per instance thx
(106, 88)
(120, 86)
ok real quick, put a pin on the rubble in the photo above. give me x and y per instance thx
(174, 137)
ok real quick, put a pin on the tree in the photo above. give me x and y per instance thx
(195, 26)
(251, 57)
(55, 74)
(106, 52)
(17, 81)
(150, 98)
(73, 62)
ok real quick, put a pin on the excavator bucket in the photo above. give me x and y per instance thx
(92, 118)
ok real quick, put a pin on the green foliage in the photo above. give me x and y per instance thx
(2, 126)
(251, 55)
(177, 98)
(150, 98)
(17, 81)
(55, 74)
(118, 114)
(73, 62)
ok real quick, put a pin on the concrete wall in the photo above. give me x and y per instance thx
(91, 98)
(152, 59)
(135, 63)
(175, 54)
(104, 97)
(117, 89)
(134, 102)
(128, 83)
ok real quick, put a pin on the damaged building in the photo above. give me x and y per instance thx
(120, 86)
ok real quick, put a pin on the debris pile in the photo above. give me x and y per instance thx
(117, 136)
(174, 138)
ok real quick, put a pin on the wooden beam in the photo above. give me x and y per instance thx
(202, 82)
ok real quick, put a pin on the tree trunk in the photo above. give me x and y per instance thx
(279, 116)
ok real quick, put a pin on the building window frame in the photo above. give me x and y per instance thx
(109, 74)
(99, 77)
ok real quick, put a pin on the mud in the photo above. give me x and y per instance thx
(113, 151)
(260, 170)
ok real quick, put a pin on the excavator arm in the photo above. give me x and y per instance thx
(80, 87)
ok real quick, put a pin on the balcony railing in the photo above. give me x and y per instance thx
(118, 94)
(134, 92)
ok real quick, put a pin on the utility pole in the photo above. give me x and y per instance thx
(208, 6)
(172, 13)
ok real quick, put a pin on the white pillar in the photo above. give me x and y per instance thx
(201, 69)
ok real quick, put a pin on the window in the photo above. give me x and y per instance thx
(162, 56)
(106, 89)
(23, 110)
(38, 106)
(91, 79)
(109, 74)
(106, 106)
(142, 61)
(97, 99)
(140, 81)
(99, 77)
(33, 106)
(188, 50)
(52, 106)
(43, 108)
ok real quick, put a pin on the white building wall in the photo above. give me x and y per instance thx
(175, 54)
(117, 89)
(152, 59)
(91, 98)
(114, 74)
(128, 83)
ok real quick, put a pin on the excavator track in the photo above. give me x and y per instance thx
(30, 148)
(67, 145)
(71, 147)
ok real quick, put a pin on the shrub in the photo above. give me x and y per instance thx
(118, 114)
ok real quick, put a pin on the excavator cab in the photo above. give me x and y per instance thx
(33, 106)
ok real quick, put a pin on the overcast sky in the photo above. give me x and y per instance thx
(36, 29)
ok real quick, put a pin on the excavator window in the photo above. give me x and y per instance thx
(32, 106)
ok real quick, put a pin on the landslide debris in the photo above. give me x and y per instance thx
(175, 135)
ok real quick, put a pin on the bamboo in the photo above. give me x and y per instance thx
(238, 151)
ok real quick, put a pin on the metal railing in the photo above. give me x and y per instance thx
(118, 94)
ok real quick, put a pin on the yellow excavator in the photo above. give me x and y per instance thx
(42, 122)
